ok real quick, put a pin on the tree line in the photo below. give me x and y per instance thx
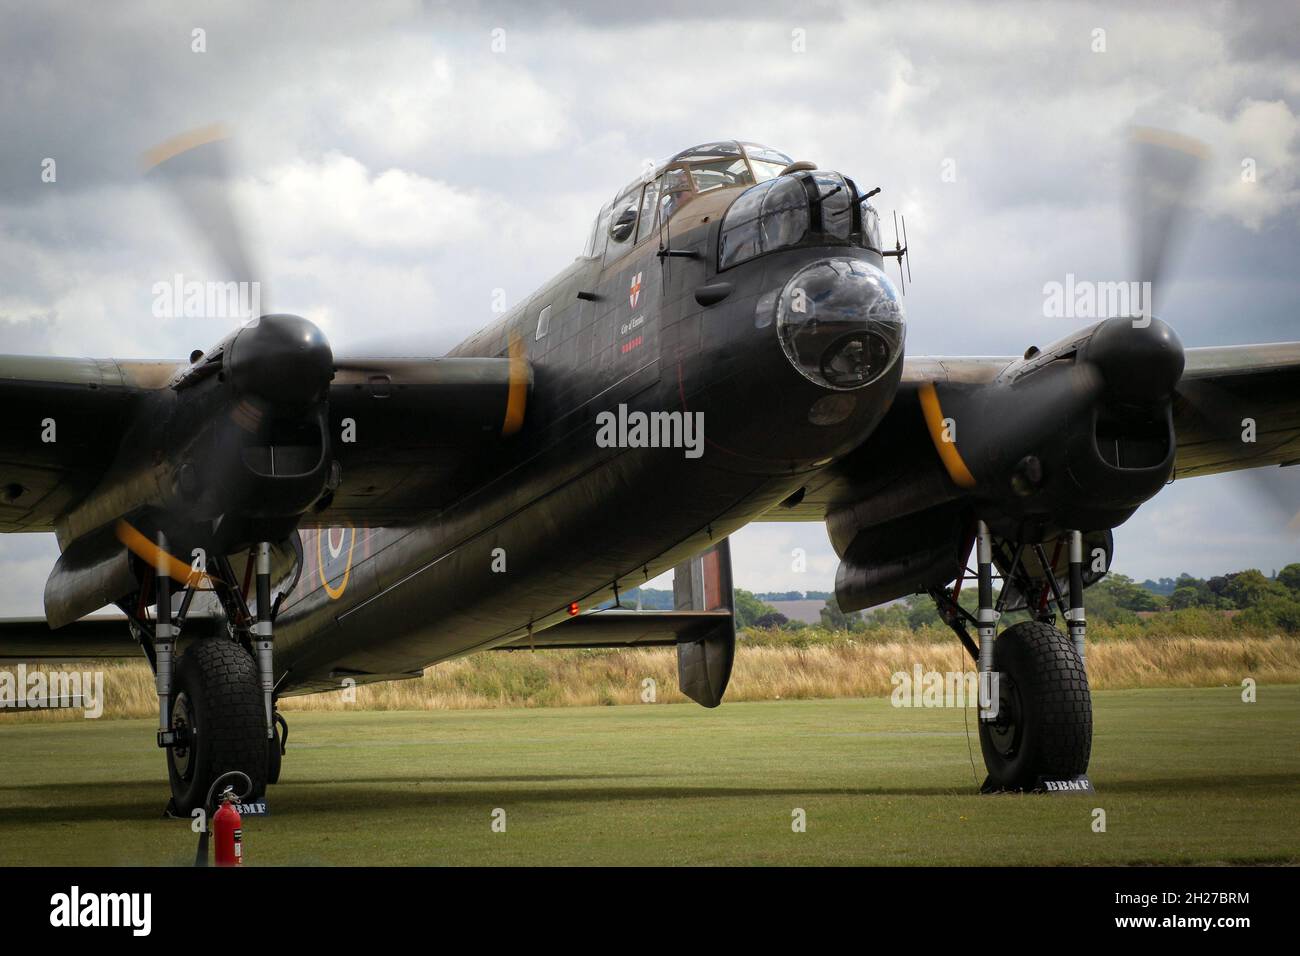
(1249, 598)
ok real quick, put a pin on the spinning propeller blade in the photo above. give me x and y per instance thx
(195, 169)
(1165, 169)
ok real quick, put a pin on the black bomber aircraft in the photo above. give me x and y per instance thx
(275, 519)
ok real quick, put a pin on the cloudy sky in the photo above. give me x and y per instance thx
(398, 162)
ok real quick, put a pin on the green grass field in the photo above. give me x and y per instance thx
(1185, 776)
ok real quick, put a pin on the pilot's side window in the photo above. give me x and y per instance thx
(649, 201)
(601, 232)
(674, 193)
(622, 224)
(544, 322)
(720, 173)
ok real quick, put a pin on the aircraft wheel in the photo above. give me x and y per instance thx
(1044, 722)
(218, 715)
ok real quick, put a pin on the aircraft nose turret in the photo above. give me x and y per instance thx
(840, 323)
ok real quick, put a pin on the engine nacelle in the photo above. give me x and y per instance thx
(899, 558)
(90, 573)
(236, 447)
(1074, 437)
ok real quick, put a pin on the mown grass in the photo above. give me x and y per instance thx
(768, 667)
(1184, 776)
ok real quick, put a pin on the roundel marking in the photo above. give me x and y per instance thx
(327, 535)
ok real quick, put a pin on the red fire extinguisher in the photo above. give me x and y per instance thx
(229, 850)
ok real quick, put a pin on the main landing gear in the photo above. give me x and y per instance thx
(1035, 723)
(217, 722)
(216, 706)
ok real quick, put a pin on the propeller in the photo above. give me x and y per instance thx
(1140, 358)
(1166, 169)
(276, 366)
(1116, 393)
(194, 168)
(276, 358)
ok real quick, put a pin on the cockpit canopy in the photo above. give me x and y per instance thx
(656, 196)
(775, 212)
(807, 206)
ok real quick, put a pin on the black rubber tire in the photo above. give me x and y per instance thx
(216, 684)
(274, 758)
(1043, 690)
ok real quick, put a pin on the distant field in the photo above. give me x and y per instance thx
(829, 667)
(1185, 776)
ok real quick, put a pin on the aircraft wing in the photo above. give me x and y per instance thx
(99, 637)
(625, 628)
(898, 448)
(1225, 389)
(62, 422)
(91, 638)
(1221, 387)
(407, 432)
(402, 429)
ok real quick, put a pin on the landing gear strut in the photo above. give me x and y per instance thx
(1035, 723)
(216, 706)
(263, 631)
(164, 637)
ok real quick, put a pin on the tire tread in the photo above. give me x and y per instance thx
(1058, 705)
(232, 715)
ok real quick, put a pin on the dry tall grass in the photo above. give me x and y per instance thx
(840, 668)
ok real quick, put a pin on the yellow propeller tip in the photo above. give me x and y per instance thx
(182, 143)
(1150, 135)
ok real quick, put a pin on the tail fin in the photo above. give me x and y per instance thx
(703, 583)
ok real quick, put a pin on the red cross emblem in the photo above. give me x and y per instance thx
(634, 291)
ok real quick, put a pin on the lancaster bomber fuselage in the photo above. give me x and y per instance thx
(649, 322)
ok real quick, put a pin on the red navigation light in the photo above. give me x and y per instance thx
(573, 608)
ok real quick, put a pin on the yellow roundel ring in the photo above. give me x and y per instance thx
(335, 592)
